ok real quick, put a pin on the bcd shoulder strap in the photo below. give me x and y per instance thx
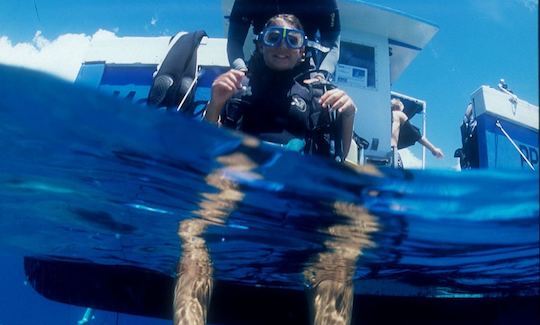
(322, 137)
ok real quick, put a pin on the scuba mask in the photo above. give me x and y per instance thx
(274, 36)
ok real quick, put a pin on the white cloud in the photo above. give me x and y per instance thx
(532, 5)
(62, 56)
(410, 161)
(492, 10)
(498, 11)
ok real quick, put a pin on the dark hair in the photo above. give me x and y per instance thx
(288, 18)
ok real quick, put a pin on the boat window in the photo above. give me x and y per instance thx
(356, 65)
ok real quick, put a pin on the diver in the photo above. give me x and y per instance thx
(320, 19)
(286, 105)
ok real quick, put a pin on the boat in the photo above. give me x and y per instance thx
(499, 131)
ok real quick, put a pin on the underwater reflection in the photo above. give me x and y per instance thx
(329, 274)
(193, 288)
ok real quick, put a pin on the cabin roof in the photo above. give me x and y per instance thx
(407, 35)
(128, 50)
(151, 50)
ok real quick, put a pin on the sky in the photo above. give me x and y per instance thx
(478, 43)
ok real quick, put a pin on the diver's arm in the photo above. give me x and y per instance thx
(213, 110)
(331, 58)
(235, 45)
(223, 88)
(336, 99)
(238, 29)
(330, 29)
(347, 124)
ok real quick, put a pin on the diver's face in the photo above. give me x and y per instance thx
(282, 58)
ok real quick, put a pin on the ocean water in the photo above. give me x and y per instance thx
(93, 186)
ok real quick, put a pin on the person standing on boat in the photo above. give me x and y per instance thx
(503, 86)
(320, 19)
(278, 108)
(400, 121)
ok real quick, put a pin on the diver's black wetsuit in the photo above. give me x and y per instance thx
(266, 112)
(315, 15)
(280, 109)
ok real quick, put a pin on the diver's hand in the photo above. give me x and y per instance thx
(223, 88)
(317, 77)
(337, 100)
(226, 85)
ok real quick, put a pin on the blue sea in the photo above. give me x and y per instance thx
(92, 186)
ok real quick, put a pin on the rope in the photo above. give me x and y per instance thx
(188, 92)
(498, 124)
